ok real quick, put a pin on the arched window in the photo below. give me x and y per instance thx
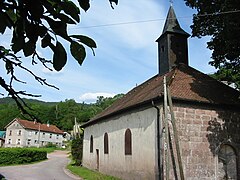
(128, 142)
(105, 143)
(227, 162)
(91, 144)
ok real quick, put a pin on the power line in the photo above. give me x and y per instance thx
(151, 20)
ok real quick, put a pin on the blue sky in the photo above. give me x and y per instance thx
(126, 55)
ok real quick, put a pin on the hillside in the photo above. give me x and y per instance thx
(8, 100)
(61, 114)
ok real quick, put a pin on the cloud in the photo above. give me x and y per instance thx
(52, 73)
(92, 97)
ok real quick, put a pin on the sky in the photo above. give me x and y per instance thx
(126, 53)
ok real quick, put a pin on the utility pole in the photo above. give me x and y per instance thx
(166, 129)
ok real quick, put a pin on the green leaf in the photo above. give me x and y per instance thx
(17, 43)
(29, 48)
(31, 31)
(59, 57)
(71, 9)
(41, 30)
(85, 40)
(2, 23)
(9, 66)
(78, 52)
(12, 16)
(36, 9)
(5, 22)
(59, 27)
(65, 19)
(46, 41)
(84, 4)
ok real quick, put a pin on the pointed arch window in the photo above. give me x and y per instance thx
(91, 144)
(227, 162)
(128, 142)
(106, 143)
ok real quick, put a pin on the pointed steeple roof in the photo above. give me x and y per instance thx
(172, 24)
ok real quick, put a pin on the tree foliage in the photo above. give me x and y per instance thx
(61, 114)
(45, 22)
(220, 19)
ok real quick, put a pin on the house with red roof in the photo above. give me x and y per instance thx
(23, 133)
(142, 137)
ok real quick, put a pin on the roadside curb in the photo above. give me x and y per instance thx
(70, 174)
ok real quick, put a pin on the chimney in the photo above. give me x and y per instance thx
(172, 44)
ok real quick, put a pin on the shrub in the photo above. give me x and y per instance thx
(77, 150)
(50, 145)
(21, 155)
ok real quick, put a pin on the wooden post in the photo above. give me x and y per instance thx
(175, 133)
(166, 129)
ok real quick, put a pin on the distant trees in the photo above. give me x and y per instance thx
(220, 19)
(61, 114)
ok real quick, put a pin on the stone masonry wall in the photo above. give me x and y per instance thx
(202, 131)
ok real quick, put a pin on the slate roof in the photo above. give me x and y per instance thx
(172, 25)
(185, 83)
(35, 126)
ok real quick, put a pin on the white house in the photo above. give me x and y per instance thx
(23, 133)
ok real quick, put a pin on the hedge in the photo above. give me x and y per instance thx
(10, 156)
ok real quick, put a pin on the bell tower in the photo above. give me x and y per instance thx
(172, 44)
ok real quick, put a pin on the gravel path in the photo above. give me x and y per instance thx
(51, 169)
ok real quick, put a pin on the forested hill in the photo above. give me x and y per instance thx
(62, 114)
(9, 100)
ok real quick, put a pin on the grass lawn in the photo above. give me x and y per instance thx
(89, 174)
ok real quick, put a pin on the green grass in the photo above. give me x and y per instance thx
(89, 174)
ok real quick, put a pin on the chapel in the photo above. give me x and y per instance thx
(179, 124)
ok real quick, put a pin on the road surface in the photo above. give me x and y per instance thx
(51, 169)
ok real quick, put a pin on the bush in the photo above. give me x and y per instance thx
(50, 145)
(77, 150)
(21, 155)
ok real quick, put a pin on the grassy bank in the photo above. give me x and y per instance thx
(89, 174)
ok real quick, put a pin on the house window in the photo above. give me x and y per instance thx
(91, 144)
(105, 143)
(9, 141)
(36, 132)
(29, 141)
(18, 141)
(50, 136)
(227, 162)
(35, 141)
(19, 132)
(10, 132)
(128, 142)
(57, 136)
(43, 135)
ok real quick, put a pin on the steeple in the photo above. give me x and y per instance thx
(172, 44)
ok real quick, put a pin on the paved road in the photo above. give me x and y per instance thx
(51, 169)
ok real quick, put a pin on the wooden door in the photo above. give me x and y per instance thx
(97, 154)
